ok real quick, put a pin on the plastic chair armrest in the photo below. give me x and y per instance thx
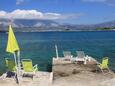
(35, 67)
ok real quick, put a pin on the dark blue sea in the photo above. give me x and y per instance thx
(40, 46)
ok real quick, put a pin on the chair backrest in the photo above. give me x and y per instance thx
(10, 64)
(105, 62)
(80, 54)
(27, 65)
(67, 54)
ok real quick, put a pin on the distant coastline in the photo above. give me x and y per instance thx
(60, 31)
(32, 25)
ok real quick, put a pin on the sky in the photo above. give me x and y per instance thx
(64, 11)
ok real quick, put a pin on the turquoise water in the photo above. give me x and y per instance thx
(39, 46)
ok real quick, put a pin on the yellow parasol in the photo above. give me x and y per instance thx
(12, 47)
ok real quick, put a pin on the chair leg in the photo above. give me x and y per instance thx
(3, 76)
(101, 70)
(109, 70)
(98, 69)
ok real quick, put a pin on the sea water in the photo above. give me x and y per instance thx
(40, 46)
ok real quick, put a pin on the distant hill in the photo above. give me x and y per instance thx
(27, 25)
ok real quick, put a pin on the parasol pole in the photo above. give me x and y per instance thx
(17, 73)
(19, 65)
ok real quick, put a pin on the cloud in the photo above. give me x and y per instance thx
(72, 15)
(34, 14)
(2, 14)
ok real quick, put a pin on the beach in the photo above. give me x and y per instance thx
(41, 79)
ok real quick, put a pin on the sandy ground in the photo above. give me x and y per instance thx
(41, 79)
(72, 74)
(85, 79)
